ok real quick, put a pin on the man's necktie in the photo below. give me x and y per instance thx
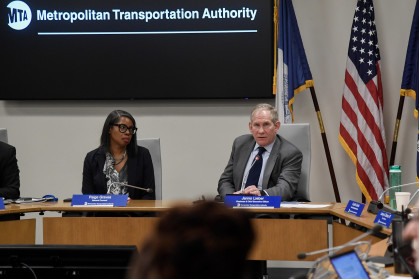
(254, 173)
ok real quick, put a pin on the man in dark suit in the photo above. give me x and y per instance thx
(281, 160)
(9, 172)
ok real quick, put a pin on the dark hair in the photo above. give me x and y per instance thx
(112, 118)
(205, 241)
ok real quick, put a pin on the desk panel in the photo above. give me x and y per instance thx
(17, 231)
(283, 239)
(276, 239)
(98, 230)
(343, 234)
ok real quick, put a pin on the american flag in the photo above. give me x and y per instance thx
(362, 132)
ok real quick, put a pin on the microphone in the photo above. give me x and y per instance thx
(148, 190)
(377, 228)
(374, 206)
(257, 158)
(401, 185)
(302, 256)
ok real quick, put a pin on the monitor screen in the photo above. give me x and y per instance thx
(349, 266)
(58, 261)
(129, 49)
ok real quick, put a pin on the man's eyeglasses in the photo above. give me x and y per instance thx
(123, 128)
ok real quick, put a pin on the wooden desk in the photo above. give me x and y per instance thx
(366, 219)
(18, 231)
(277, 239)
(160, 206)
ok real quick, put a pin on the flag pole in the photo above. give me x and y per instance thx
(325, 144)
(396, 130)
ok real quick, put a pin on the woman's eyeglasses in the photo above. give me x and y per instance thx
(123, 128)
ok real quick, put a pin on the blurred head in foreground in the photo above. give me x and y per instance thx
(411, 232)
(204, 241)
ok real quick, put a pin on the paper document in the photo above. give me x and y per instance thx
(302, 205)
(30, 200)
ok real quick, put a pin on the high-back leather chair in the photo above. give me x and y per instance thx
(299, 135)
(153, 145)
(3, 135)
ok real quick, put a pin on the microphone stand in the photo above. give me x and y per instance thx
(148, 190)
(374, 206)
(332, 250)
(401, 185)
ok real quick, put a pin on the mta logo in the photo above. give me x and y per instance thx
(19, 14)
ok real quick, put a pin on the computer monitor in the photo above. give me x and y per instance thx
(65, 261)
(147, 49)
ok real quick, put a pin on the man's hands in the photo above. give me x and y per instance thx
(249, 190)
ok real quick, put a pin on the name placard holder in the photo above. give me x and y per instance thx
(384, 218)
(240, 201)
(2, 204)
(99, 200)
(354, 208)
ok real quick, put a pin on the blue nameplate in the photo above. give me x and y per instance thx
(384, 218)
(253, 201)
(354, 208)
(99, 200)
(2, 204)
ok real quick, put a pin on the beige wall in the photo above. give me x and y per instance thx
(52, 137)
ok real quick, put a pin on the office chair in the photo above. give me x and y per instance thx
(153, 145)
(299, 135)
(3, 135)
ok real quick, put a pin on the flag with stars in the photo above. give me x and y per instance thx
(361, 130)
(410, 81)
(293, 73)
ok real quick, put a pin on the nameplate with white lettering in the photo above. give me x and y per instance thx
(99, 200)
(354, 208)
(384, 218)
(241, 201)
(2, 204)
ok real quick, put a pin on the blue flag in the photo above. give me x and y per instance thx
(410, 82)
(293, 72)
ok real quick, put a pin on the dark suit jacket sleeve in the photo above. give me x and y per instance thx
(285, 183)
(226, 182)
(9, 173)
(87, 184)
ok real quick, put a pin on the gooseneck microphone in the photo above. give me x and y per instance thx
(257, 158)
(374, 206)
(377, 228)
(148, 190)
(401, 185)
(302, 256)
